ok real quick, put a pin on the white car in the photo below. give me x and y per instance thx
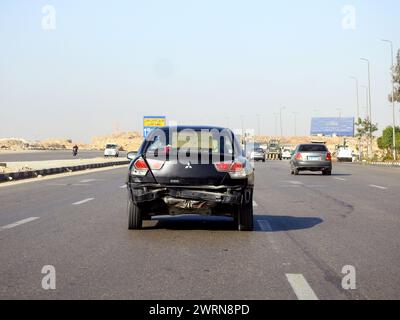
(111, 150)
(345, 154)
(286, 154)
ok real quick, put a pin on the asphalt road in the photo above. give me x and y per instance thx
(49, 155)
(308, 228)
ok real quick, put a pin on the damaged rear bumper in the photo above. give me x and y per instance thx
(209, 194)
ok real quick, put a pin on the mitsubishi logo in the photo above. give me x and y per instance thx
(189, 166)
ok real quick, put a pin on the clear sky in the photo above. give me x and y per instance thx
(108, 63)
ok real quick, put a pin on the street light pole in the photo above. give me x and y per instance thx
(295, 123)
(357, 98)
(258, 124)
(366, 100)
(393, 102)
(280, 119)
(340, 112)
(369, 102)
(276, 124)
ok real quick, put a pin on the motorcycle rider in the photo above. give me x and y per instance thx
(75, 150)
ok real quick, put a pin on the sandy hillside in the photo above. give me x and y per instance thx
(128, 141)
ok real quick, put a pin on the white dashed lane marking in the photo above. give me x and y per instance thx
(340, 179)
(255, 204)
(87, 180)
(18, 223)
(377, 187)
(301, 288)
(83, 201)
(123, 186)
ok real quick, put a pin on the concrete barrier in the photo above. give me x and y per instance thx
(10, 176)
(380, 164)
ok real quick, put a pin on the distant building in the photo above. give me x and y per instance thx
(340, 127)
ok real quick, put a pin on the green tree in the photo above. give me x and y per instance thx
(396, 78)
(366, 129)
(385, 142)
(365, 134)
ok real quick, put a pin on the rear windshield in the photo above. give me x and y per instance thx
(312, 148)
(111, 146)
(259, 150)
(195, 140)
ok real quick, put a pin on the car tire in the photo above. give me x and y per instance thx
(327, 172)
(291, 172)
(135, 221)
(296, 171)
(245, 213)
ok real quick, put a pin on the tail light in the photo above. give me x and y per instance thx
(140, 167)
(299, 156)
(328, 157)
(235, 169)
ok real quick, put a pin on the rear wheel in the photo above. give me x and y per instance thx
(135, 220)
(296, 171)
(245, 212)
(327, 172)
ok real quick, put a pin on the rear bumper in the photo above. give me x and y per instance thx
(312, 165)
(216, 195)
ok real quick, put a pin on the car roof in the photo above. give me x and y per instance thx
(183, 127)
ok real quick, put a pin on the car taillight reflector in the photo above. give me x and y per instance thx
(299, 156)
(223, 166)
(235, 169)
(140, 164)
(328, 156)
(236, 166)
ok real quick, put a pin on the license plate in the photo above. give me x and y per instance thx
(314, 158)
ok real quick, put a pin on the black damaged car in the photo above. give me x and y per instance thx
(190, 170)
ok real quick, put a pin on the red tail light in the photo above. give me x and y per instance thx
(140, 164)
(235, 169)
(223, 166)
(228, 166)
(328, 156)
(299, 156)
(236, 166)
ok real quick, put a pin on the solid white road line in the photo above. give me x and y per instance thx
(18, 223)
(301, 287)
(377, 187)
(83, 201)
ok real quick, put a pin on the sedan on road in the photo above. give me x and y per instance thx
(311, 157)
(258, 154)
(190, 170)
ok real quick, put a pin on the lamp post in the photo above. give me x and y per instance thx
(276, 123)
(280, 119)
(357, 97)
(369, 105)
(258, 125)
(340, 112)
(295, 123)
(393, 102)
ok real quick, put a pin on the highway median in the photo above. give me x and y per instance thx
(12, 171)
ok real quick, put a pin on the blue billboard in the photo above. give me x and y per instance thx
(341, 127)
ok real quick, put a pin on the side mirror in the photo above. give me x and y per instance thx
(131, 155)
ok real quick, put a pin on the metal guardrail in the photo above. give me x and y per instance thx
(11, 176)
